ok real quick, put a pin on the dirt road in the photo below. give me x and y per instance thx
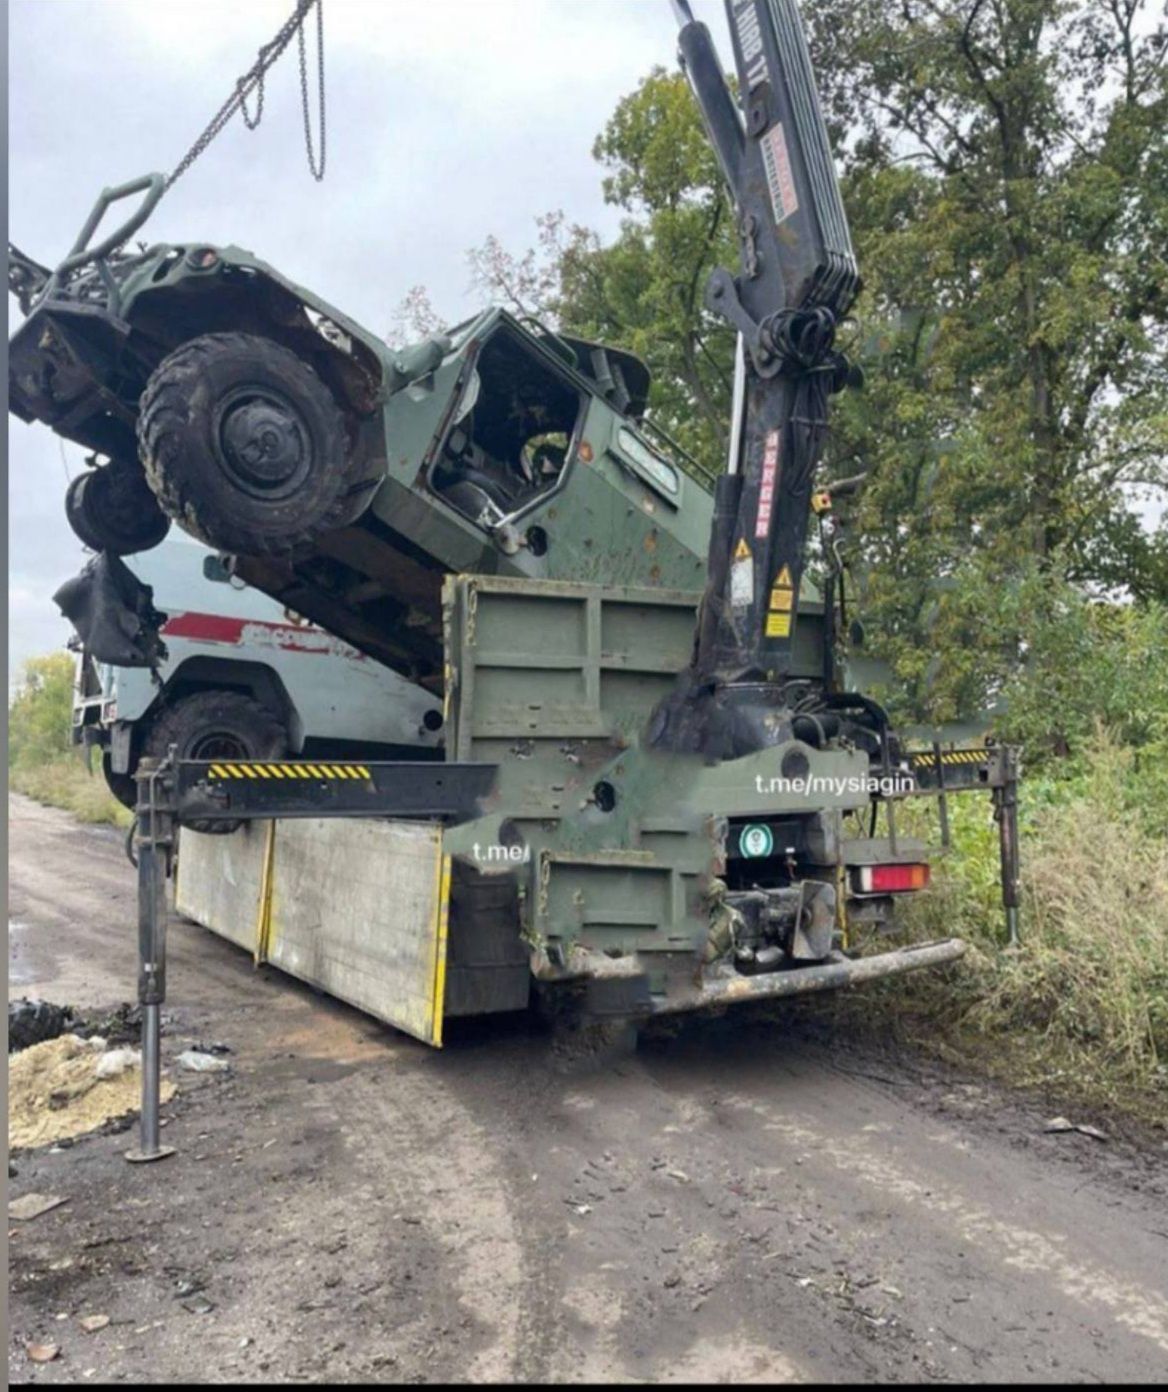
(740, 1202)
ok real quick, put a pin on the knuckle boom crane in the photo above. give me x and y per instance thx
(665, 836)
(798, 279)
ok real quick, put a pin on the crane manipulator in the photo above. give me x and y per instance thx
(797, 280)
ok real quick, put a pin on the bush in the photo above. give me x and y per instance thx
(1082, 1005)
(42, 762)
(1087, 662)
(40, 715)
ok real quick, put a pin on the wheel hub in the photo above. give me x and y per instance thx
(264, 444)
(218, 744)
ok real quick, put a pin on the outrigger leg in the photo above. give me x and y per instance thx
(154, 842)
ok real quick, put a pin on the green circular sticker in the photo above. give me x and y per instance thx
(755, 841)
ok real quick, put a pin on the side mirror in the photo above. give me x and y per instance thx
(214, 569)
(856, 633)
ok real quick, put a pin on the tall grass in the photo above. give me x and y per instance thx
(65, 783)
(1081, 1006)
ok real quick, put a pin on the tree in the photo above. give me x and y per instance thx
(1005, 170)
(1006, 175)
(41, 712)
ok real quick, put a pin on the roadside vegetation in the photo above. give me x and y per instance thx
(1079, 1010)
(42, 763)
(1005, 173)
(1006, 179)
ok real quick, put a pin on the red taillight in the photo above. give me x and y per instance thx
(892, 879)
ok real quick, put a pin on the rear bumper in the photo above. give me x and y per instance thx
(732, 988)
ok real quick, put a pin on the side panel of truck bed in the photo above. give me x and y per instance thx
(357, 908)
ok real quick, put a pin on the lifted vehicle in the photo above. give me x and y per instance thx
(347, 477)
(241, 679)
(653, 798)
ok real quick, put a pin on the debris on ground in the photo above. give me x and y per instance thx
(42, 1353)
(114, 1062)
(33, 1021)
(92, 1323)
(122, 1025)
(1059, 1125)
(55, 1090)
(30, 1206)
(199, 1060)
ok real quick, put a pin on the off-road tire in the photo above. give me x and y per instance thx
(34, 1021)
(206, 724)
(112, 509)
(246, 448)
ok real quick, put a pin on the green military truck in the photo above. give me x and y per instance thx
(659, 791)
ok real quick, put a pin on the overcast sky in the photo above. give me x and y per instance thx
(447, 120)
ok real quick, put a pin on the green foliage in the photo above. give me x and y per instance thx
(41, 714)
(645, 290)
(65, 783)
(1006, 175)
(1087, 664)
(42, 763)
(1083, 1002)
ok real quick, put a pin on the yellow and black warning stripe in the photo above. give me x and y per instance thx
(950, 756)
(297, 770)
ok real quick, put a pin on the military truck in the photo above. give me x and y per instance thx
(241, 678)
(658, 791)
(346, 477)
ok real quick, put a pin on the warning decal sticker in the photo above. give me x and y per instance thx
(781, 605)
(766, 492)
(742, 583)
(777, 163)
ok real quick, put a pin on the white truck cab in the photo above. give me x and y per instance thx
(242, 678)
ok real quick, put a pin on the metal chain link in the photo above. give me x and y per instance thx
(253, 81)
(259, 116)
(317, 173)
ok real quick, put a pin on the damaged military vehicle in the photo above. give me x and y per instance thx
(346, 476)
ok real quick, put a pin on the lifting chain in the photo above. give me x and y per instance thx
(317, 171)
(252, 81)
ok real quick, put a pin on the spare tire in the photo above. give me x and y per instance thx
(222, 725)
(112, 509)
(246, 448)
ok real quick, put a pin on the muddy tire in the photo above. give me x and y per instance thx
(112, 509)
(246, 448)
(224, 725)
(34, 1021)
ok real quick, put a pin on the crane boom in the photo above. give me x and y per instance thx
(796, 281)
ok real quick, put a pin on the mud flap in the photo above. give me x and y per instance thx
(357, 908)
